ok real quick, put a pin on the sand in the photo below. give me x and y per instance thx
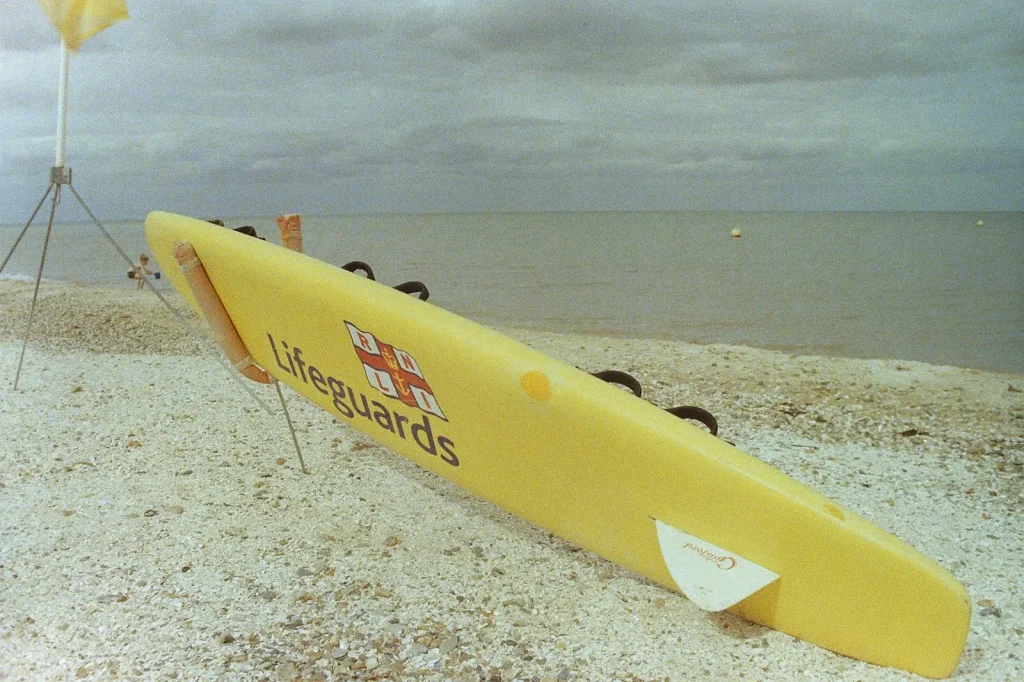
(154, 523)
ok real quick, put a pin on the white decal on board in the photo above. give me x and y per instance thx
(711, 577)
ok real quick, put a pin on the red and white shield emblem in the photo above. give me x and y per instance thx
(393, 372)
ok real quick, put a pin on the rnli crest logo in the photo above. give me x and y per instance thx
(393, 372)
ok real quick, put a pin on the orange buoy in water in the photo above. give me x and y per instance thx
(736, 232)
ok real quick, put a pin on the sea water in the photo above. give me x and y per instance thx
(933, 287)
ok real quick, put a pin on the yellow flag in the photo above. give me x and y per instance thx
(79, 20)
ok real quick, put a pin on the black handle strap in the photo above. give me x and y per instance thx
(696, 414)
(418, 288)
(359, 265)
(614, 376)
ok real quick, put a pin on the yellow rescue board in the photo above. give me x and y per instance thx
(587, 461)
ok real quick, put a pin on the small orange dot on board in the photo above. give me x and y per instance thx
(537, 386)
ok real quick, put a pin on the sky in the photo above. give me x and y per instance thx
(255, 107)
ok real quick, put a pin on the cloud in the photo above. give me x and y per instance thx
(741, 42)
(527, 104)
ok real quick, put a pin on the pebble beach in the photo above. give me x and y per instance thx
(155, 523)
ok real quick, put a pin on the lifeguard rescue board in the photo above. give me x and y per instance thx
(587, 461)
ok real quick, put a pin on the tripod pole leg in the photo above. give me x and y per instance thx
(288, 418)
(25, 229)
(35, 292)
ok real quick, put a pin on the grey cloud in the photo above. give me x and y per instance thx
(741, 42)
(552, 104)
(284, 27)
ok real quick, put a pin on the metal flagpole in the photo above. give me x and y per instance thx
(57, 174)
(60, 176)
(62, 104)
